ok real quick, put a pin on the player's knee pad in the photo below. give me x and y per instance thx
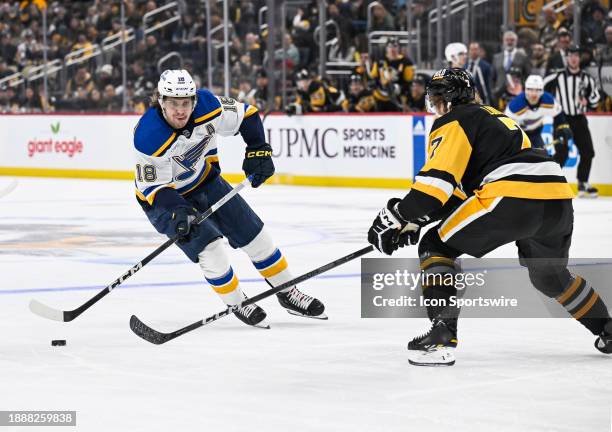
(550, 280)
(219, 273)
(213, 260)
(268, 259)
(432, 245)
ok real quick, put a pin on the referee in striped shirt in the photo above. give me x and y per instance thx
(577, 93)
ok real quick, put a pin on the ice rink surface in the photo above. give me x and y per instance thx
(64, 240)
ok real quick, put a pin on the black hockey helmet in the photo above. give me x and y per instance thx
(455, 85)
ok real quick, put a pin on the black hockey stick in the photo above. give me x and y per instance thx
(61, 315)
(158, 338)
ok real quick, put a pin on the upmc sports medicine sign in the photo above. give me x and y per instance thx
(377, 146)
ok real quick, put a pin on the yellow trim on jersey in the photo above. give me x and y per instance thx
(547, 105)
(587, 307)
(521, 111)
(275, 269)
(527, 190)
(207, 116)
(468, 209)
(151, 197)
(431, 190)
(408, 73)
(209, 160)
(250, 111)
(165, 145)
(460, 194)
(453, 152)
(378, 95)
(227, 288)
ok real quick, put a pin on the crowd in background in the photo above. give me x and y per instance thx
(384, 81)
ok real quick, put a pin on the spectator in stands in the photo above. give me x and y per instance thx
(110, 100)
(392, 76)
(359, 98)
(604, 57)
(260, 94)
(558, 60)
(381, 19)
(8, 49)
(538, 59)
(292, 55)
(4, 70)
(105, 76)
(245, 91)
(481, 71)
(94, 102)
(510, 57)
(568, 19)
(28, 51)
(594, 28)
(416, 99)
(253, 48)
(514, 86)
(82, 79)
(31, 101)
(548, 30)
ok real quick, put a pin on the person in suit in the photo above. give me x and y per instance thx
(509, 58)
(558, 60)
(481, 71)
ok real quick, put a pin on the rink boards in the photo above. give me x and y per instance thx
(353, 150)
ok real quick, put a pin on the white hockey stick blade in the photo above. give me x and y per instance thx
(45, 311)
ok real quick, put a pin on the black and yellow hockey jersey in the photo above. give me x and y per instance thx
(319, 97)
(476, 150)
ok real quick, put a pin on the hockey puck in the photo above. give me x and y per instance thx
(58, 342)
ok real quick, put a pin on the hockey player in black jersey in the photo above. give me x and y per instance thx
(513, 194)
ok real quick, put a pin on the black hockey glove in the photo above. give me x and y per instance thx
(390, 232)
(563, 134)
(182, 220)
(258, 163)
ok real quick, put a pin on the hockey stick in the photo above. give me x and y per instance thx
(8, 189)
(60, 315)
(158, 338)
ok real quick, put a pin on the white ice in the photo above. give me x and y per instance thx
(63, 240)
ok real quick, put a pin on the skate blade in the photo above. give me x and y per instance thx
(319, 317)
(263, 324)
(438, 357)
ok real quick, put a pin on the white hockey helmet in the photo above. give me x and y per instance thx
(453, 50)
(176, 83)
(534, 82)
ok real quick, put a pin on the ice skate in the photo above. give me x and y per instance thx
(604, 342)
(252, 315)
(585, 190)
(300, 304)
(434, 348)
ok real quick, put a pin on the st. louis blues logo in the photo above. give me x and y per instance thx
(190, 158)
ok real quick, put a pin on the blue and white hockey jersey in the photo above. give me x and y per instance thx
(184, 159)
(531, 118)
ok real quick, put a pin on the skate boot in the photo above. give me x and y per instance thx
(585, 190)
(300, 304)
(604, 341)
(252, 315)
(434, 348)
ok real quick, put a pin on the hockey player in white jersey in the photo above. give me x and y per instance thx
(178, 176)
(531, 107)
